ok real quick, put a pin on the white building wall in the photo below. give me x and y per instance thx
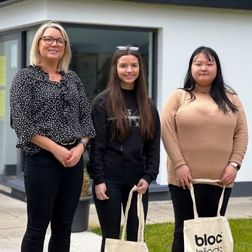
(180, 31)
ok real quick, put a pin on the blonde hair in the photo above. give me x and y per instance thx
(64, 62)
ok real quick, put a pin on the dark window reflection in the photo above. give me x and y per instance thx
(93, 47)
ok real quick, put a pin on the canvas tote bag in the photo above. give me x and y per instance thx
(207, 234)
(121, 245)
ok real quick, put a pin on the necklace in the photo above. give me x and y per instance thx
(54, 76)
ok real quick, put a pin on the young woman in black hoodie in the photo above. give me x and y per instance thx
(126, 149)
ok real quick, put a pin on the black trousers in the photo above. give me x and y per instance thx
(207, 199)
(52, 196)
(119, 180)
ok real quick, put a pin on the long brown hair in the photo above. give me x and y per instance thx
(116, 104)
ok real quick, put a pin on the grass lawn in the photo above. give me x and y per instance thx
(159, 236)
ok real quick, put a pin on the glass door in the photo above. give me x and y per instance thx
(9, 65)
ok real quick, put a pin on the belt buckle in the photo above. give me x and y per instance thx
(70, 143)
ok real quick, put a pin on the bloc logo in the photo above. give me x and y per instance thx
(208, 243)
(207, 240)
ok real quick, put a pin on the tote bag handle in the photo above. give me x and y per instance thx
(205, 181)
(140, 215)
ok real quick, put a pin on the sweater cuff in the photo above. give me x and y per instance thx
(147, 178)
(236, 158)
(98, 181)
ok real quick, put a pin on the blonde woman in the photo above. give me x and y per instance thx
(51, 116)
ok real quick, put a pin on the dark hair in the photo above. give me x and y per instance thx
(218, 88)
(116, 104)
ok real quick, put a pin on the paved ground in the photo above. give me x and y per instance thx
(13, 221)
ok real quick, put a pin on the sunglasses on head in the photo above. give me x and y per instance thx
(125, 48)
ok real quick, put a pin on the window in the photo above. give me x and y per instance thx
(9, 65)
(92, 49)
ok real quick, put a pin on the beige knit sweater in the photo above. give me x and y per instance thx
(197, 133)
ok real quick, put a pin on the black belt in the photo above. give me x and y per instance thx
(69, 144)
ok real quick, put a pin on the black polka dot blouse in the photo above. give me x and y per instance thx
(39, 106)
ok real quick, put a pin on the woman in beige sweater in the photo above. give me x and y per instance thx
(204, 132)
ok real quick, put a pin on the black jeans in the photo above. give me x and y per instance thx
(207, 199)
(52, 196)
(119, 180)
